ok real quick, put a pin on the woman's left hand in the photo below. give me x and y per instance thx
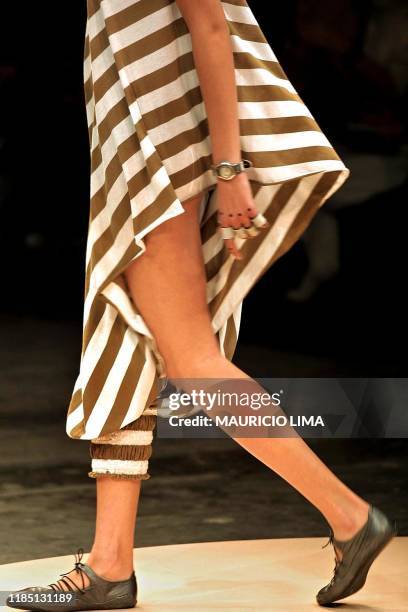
(236, 208)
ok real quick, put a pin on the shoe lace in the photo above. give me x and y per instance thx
(336, 560)
(78, 568)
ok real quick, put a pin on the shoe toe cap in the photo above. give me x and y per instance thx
(323, 596)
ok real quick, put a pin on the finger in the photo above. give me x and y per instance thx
(260, 221)
(250, 214)
(252, 231)
(236, 220)
(230, 233)
(251, 211)
(233, 249)
(242, 232)
(245, 220)
(233, 220)
(227, 232)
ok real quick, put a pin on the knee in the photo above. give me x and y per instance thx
(197, 364)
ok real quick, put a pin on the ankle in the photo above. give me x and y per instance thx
(111, 571)
(111, 564)
(351, 522)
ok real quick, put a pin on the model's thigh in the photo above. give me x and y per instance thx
(168, 285)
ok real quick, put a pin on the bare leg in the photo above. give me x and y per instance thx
(112, 552)
(172, 271)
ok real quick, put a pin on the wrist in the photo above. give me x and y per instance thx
(227, 170)
(234, 159)
(237, 179)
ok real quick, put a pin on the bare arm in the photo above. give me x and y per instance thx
(215, 68)
(213, 59)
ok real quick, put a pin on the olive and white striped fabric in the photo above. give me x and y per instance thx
(149, 152)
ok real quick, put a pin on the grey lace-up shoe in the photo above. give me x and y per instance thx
(100, 594)
(358, 554)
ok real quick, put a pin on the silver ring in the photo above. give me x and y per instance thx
(259, 220)
(244, 232)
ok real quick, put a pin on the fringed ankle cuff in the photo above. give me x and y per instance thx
(145, 476)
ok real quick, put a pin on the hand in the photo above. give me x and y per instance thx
(236, 208)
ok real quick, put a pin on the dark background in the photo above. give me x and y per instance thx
(334, 305)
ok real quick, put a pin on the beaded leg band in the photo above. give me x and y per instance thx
(124, 453)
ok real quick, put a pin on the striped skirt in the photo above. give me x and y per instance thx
(150, 151)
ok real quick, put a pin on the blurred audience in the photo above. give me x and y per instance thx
(349, 66)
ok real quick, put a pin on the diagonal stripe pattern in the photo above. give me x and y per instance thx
(149, 152)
